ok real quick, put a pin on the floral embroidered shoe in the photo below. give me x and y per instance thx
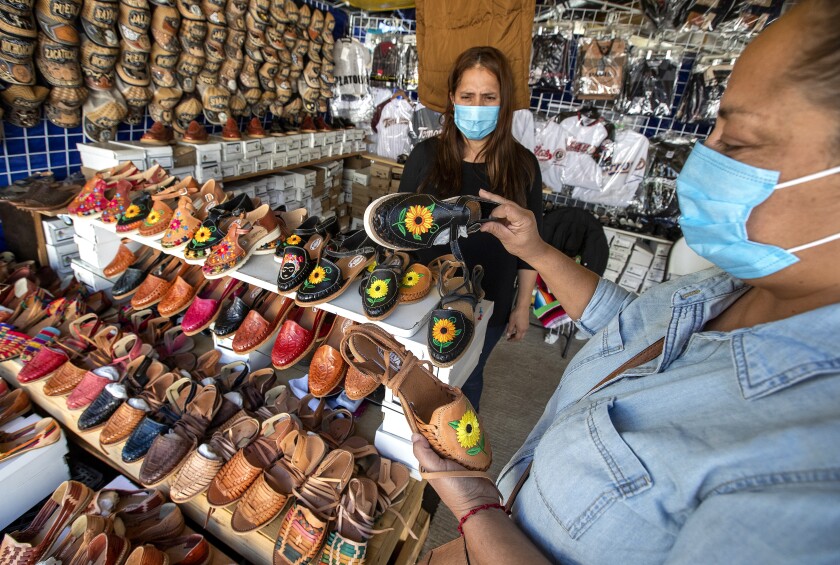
(190, 213)
(288, 221)
(117, 204)
(214, 228)
(304, 528)
(137, 211)
(441, 413)
(302, 250)
(156, 223)
(92, 201)
(336, 270)
(407, 222)
(380, 288)
(240, 243)
(452, 324)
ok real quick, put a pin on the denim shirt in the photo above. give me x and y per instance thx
(724, 449)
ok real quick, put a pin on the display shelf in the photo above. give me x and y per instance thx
(380, 159)
(257, 547)
(290, 167)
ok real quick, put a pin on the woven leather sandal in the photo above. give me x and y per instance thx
(441, 413)
(202, 465)
(34, 436)
(347, 543)
(147, 555)
(79, 535)
(327, 368)
(267, 496)
(452, 324)
(245, 466)
(72, 346)
(28, 546)
(131, 412)
(13, 404)
(69, 375)
(316, 505)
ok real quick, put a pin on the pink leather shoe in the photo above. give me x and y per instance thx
(90, 386)
(206, 306)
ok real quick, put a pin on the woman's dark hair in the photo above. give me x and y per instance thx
(509, 165)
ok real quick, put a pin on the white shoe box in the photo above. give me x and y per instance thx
(61, 255)
(27, 479)
(57, 231)
(397, 449)
(90, 276)
(97, 254)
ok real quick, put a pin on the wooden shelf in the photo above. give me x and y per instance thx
(257, 547)
(289, 167)
(385, 160)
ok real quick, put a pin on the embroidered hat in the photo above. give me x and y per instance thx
(266, 75)
(238, 105)
(190, 9)
(214, 47)
(187, 69)
(292, 12)
(216, 104)
(68, 97)
(234, 44)
(163, 58)
(16, 59)
(252, 95)
(99, 19)
(278, 12)
(134, 25)
(214, 10)
(193, 34)
(135, 116)
(105, 108)
(186, 111)
(229, 73)
(270, 55)
(253, 49)
(159, 114)
(235, 13)
(283, 90)
(206, 78)
(61, 116)
(255, 24)
(24, 117)
(57, 19)
(285, 72)
(133, 68)
(213, 66)
(59, 63)
(135, 96)
(17, 19)
(249, 77)
(24, 97)
(166, 98)
(316, 26)
(166, 22)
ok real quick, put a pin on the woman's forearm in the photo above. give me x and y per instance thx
(493, 538)
(527, 282)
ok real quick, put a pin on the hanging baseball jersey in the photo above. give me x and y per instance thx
(425, 123)
(352, 64)
(621, 170)
(566, 152)
(523, 129)
(394, 122)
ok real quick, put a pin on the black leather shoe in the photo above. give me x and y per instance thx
(296, 261)
(144, 434)
(133, 277)
(407, 222)
(230, 319)
(103, 406)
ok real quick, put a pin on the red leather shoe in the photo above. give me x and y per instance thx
(90, 386)
(297, 337)
(206, 307)
(261, 323)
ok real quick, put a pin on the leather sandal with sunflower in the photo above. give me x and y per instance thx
(289, 222)
(156, 223)
(380, 288)
(441, 413)
(241, 241)
(214, 228)
(301, 251)
(452, 324)
(407, 222)
(336, 270)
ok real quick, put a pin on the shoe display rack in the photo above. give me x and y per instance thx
(256, 547)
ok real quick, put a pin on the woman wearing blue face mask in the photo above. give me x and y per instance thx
(700, 424)
(476, 151)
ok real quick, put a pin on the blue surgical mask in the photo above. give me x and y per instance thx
(717, 195)
(476, 122)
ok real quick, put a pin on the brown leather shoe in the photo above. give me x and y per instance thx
(246, 465)
(107, 549)
(13, 404)
(124, 258)
(255, 129)
(157, 283)
(169, 450)
(130, 413)
(158, 134)
(196, 134)
(231, 131)
(260, 324)
(147, 555)
(159, 525)
(327, 369)
(308, 125)
(182, 291)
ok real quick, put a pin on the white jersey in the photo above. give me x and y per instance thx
(394, 122)
(566, 152)
(352, 67)
(621, 170)
(523, 129)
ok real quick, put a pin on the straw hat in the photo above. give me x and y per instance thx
(99, 19)
(193, 33)
(68, 97)
(166, 21)
(16, 59)
(134, 26)
(57, 19)
(67, 118)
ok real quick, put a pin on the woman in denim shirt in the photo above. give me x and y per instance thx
(725, 447)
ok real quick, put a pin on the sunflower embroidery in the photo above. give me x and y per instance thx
(444, 332)
(203, 234)
(293, 239)
(132, 211)
(410, 279)
(316, 276)
(377, 290)
(416, 220)
(153, 218)
(468, 432)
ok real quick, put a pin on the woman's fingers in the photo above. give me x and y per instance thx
(428, 459)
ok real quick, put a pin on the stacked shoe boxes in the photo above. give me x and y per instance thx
(97, 247)
(327, 192)
(61, 248)
(393, 438)
(635, 263)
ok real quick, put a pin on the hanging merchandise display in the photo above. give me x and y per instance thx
(395, 120)
(600, 72)
(550, 62)
(703, 92)
(621, 167)
(701, 15)
(385, 65)
(501, 24)
(649, 83)
(425, 124)
(566, 151)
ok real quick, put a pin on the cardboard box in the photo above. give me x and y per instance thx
(251, 148)
(612, 275)
(97, 254)
(355, 162)
(659, 262)
(381, 171)
(294, 142)
(636, 270)
(655, 275)
(57, 231)
(60, 256)
(380, 184)
(262, 163)
(268, 144)
(228, 170)
(304, 154)
(395, 185)
(208, 171)
(231, 150)
(662, 250)
(622, 241)
(320, 174)
(95, 234)
(183, 156)
(245, 168)
(161, 154)
(206, 153)
(630, 282)
(104, 155)
(303, 178)
(361, 176)
(292, 157)
(620, 254)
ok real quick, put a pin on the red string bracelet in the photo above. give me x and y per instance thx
(476, 510)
